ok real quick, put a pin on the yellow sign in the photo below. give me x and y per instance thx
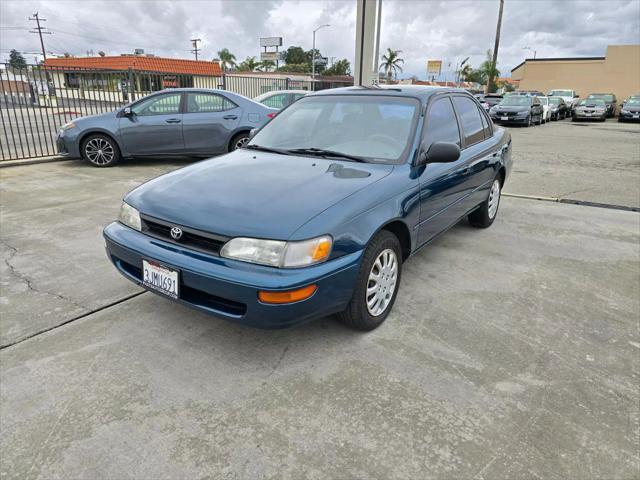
(434, 67)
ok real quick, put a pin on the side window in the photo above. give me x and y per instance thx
(276, 101)
(158, 105)
(441, 123)
(485, 125)
(470, 119)
(208, 102)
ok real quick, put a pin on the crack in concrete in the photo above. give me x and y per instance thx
(29, 282)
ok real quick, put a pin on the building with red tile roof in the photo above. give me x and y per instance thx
(138, 63)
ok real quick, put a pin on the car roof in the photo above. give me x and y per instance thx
(422, 92)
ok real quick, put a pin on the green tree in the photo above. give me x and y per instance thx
(227, 59)
(488, 70)
(16, 60)
(391, 62)
(296, 55)
(250, 64)
(295, 68)
(341, 67)
(465, 72)
(267, 65)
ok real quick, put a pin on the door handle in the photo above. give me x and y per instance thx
(230, 117)
(172, 120)
(467, 171)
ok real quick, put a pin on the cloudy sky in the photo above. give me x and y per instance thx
(423, 29)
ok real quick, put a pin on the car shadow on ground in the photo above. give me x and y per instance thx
(143, 162)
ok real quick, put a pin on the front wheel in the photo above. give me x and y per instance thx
(100, 151)
(484, 216)
(377, 284)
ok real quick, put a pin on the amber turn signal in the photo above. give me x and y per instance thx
(288, 296)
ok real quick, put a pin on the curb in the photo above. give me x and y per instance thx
(584, 203)
(32, 161)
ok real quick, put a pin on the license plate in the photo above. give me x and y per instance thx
(636, 115)
(588, 114)
(504, 118)
(160, 278)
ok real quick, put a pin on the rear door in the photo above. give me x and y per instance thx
(477, 153)
(209, 121)
(155, 127)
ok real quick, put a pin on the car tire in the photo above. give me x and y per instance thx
(528, 124)
(238, 141)
(100, 151)
(367, 310)
(484, 216)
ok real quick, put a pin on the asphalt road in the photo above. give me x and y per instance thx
(512, 352)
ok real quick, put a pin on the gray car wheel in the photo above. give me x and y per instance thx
(100, 151)
(239, 141)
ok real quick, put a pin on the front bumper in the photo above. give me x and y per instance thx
(67, 145)
(511, 119)
(594, 116)
(228, 288)
(631, 116)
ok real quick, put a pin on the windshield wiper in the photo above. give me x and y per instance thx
(321, 152)
(281, 151)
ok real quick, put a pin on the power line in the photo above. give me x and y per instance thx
(40, 30)
(194, 42)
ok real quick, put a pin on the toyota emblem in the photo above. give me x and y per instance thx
(176, 233)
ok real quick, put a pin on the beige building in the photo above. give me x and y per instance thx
(618, 72)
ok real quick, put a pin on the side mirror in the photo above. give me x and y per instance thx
(252, 133)
(577, 96)
(127, 112)
(440, 152)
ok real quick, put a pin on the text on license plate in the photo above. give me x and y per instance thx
(504, 118)
(636, 116)
(160, 278)
(588, 114)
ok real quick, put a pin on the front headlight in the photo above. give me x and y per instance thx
(276, 253)
(493, 110)
(130, 217)
(624, 110)
(67, 126)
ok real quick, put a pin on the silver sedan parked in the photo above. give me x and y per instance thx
(590, 109)
(175, 122)
(280, 98)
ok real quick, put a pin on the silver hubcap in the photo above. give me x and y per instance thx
(382, 282)
(99, 151)
(494, 198)
(241, 143)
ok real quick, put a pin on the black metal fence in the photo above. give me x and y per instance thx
(36, 100)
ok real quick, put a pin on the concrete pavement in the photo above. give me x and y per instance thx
(512, 352)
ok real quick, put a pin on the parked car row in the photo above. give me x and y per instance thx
(630, 109)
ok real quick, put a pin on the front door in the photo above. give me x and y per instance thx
(155, 126)
(442, 185)
(208, 122)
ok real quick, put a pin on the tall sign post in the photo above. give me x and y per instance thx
(434, 67)
(368, 16)
(269, 42)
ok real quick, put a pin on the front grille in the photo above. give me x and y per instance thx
(194, 239)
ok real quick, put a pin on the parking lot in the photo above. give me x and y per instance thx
(512, 352)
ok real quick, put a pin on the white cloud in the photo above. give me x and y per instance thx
(422, 29)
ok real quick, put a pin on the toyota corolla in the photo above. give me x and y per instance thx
(317, 213)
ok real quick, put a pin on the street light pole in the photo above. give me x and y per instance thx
(531, 49)
(313, 57)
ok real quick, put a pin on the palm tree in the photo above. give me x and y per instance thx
(227, 59)
(391, 63)
(250, 64)
(267, 65)
(465, 73)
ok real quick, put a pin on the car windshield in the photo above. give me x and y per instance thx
(633, 101)
(554, 101)
(515, 101)
(376, 128)
(592, 102)
(605, 97)
(561, 93)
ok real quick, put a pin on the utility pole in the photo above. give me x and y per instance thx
(313, 57)
(194, 42)
(494, 62)
(40, 30)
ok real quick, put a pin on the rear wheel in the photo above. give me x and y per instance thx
(484, 216)
(100, 150)
(239, 141)
(377, 283)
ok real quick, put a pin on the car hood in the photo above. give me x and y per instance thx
(501, 108)
(634, 109)
(95, 118)
(250, 193)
